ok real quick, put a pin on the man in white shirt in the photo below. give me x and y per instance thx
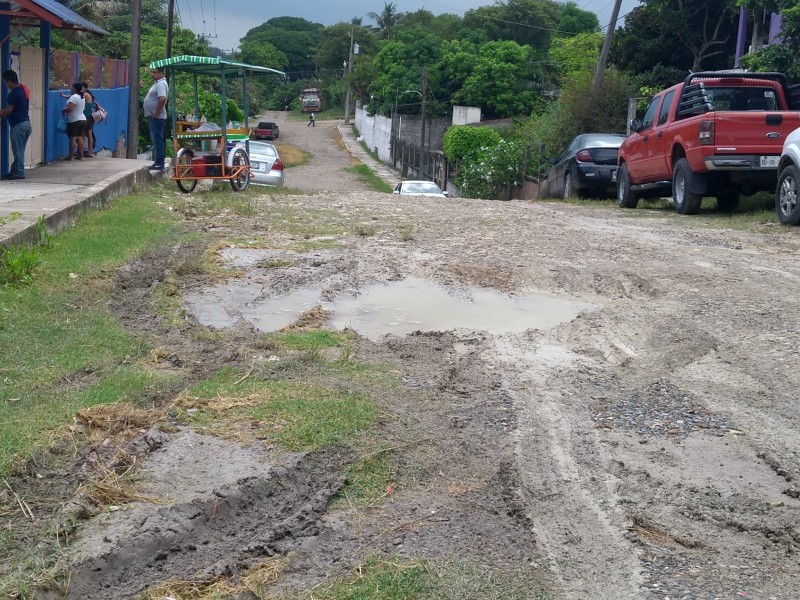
(155, 109)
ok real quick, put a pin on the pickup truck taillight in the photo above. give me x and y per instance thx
(706, 136)
(584, 156)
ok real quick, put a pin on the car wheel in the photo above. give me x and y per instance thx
(569, 187)
(626, 197)
(786, 197)
(727, 201)
(184, 168)
(686, 202)
(241, 163)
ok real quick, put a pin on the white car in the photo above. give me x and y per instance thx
(419, 188)
(788, 174)
(266, 166)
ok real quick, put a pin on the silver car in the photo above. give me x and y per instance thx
(266, 166)
(419, 188)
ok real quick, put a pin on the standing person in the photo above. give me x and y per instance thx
(155, 109)
(76, 121)
(16, 111)
(311, 122)
(91, 106)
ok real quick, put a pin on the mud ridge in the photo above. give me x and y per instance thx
(222, 535)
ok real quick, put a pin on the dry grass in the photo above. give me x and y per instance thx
(313, 318)
(486, 277)
(255, 582)
(106, 420)
(292, 156)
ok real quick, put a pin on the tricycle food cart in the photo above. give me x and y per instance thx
(201, 152)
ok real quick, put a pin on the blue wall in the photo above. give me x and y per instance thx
(115, 101)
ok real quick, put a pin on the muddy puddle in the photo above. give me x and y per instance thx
(396, 308)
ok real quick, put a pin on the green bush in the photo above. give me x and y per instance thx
(490, 172)
(460, 141)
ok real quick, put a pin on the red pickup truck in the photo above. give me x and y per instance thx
(716, 134)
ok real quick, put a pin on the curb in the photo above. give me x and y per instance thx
(96, 196)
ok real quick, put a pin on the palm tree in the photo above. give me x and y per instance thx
(388, 19)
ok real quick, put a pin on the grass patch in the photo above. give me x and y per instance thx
(292, 156)
(296, 415)
(60, 347)
(753, 212)
(368, 177)
(421, 579)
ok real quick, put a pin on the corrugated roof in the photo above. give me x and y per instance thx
(58, 15)
(208, 65)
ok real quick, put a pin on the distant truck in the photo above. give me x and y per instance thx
(716, 134)
(311, 100)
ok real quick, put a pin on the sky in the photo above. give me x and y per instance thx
(224, 22)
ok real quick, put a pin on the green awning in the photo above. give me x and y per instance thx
(209, 65)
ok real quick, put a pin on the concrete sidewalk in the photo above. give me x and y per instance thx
(390, 175)
(61, 190)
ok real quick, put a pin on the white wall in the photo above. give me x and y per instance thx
(464, 115)
(377, 133)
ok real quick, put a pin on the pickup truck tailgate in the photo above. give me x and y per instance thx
(753, 132)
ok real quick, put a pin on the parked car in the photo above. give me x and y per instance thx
(587, 166)
(419, 188)
(266, 166)
(266, 131)
(788, 174)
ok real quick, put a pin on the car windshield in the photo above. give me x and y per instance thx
(421, 187)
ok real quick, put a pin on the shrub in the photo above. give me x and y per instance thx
(490, 172)
(460, 141)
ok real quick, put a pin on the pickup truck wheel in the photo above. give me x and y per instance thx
(727, 201)
(626, 198)
(786, 197)
(686, 202)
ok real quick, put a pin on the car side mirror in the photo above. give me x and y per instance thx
(395, 191)
(446, 193)
(635, 125)
(552, 160)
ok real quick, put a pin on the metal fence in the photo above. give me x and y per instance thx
(100, 73)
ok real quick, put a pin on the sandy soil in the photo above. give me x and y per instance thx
(646, 449)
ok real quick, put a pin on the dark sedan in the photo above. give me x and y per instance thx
(587, 167)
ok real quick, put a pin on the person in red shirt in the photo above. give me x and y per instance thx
(16, 112)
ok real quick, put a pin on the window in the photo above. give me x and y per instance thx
(665, 106)
(650, 115)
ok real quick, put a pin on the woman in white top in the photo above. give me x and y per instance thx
(76, 122)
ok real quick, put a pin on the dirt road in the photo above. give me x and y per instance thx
(647, 448)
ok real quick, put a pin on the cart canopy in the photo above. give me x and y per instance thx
(209, 65)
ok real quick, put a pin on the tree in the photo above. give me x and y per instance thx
(387, 20)
(497, 81)
(684, 34)
(295, 37)
(575, 20)
(527, 22)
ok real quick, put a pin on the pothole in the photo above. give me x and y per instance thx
(396, 307)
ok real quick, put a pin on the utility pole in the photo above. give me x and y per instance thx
(601, 65)
(170, 23)
(349, 70)
(133, 95)
(424, 95)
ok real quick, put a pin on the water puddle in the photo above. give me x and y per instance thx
(398, 308)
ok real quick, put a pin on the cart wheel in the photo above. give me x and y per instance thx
(240, 159)
(184, 168)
